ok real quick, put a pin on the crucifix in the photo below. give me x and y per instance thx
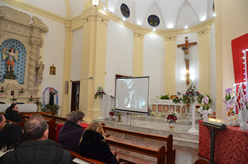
(185, 47)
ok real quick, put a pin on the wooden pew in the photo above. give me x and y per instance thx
(170, 153)
(76, 155)
(157, 153)
(19, 123)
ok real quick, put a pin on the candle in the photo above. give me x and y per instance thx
(22, 89)
(2, 87)
(31, 96)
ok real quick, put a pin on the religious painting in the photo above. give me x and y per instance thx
(160, 108)
(178, 109)
(53, 70)
(172, 108)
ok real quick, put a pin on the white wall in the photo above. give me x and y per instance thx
(76, 7)
(76, 54)
(212, 66)
(153, 65)
(193, 62)
(54, 43)
(119, 54)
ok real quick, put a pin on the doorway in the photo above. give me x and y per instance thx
(75, 91)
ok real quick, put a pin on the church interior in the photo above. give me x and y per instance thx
(184, 60)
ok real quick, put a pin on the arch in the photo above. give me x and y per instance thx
(44, 98)
(154, 9)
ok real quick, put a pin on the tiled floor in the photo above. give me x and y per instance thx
(185, 155)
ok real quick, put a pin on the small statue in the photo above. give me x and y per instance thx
(41, 67)
(12, 58)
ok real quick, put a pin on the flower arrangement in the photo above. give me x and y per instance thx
(112, 112)
(31, 99)
(21, 91)
(13, 99)
(152, 114)
(53, 108)
(177, 100)
(172, 118)
(99, 93)
(229, 100)
(162, 115)
(189, 96)
(1, 91)
(165, 97)
(205, 106)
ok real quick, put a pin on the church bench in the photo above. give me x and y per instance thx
(76, 155)
(19, 123)
(158, 153)
(170, 153)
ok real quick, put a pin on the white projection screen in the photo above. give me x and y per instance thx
(132, 94)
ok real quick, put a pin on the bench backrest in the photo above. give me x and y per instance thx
(171, 154)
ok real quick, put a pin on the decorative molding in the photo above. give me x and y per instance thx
(94, 11)
(15, 25)
(35, 10)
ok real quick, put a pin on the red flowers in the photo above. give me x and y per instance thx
(214, 113)
(111, 113)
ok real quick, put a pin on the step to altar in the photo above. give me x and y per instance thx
(180, 133)
(186, 119)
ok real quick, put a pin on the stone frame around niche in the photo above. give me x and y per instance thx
(28, 30)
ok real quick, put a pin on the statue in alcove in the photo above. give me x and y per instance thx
(51, 98)
(12, 57)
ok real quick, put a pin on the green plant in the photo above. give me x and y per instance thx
(177, 100)
(14, 99)
(53, 108)
(165, 97)
(189, 96)
(2, 90)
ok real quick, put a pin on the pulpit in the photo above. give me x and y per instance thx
(106, 104)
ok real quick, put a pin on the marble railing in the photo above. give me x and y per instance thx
(165, 106)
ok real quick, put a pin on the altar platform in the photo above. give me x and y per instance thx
(147, 124)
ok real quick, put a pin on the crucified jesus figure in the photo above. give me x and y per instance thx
(185, 47)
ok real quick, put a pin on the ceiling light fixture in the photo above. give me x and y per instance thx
(154, 30)
(186, 27)
(123, 19)
(214, 14)
(104, 8)
(170, 26)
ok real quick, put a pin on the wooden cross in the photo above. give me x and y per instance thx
(185, 47)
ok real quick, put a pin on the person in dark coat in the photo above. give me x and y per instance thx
(93, 145)
(10, 137)
(12, 113)
(70, 134)
(37, 149)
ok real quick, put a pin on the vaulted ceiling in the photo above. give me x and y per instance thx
(173, 14)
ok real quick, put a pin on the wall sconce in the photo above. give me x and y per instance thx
(95, 2)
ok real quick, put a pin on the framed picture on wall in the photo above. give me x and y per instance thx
(52, 70)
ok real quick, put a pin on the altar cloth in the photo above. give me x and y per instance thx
(21, 107)
(231, 145)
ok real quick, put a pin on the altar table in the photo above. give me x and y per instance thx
(231, 145)
(21, 107)
(84, 125)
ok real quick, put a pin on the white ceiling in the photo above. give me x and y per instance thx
(175, 13)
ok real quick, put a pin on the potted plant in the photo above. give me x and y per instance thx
(21, 92)
(31, 100)
(52, 108)
(99, 93)
(13, 99)
(172, 119)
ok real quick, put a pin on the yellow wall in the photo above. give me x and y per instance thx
(231, 22)
(138, 55)
(170, 62)
(204, 62)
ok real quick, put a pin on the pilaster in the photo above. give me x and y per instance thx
(65, 104)
(170, 64)
(138, 53)
(204, 61)
(93, 62)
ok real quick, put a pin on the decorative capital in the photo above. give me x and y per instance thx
(139, 34)
(203, 31)
(37, 22)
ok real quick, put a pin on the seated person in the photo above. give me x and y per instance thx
(10, 137)
(70, 134)
(37, 149)
(93, 145)
(12, 113)
(2, 122)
